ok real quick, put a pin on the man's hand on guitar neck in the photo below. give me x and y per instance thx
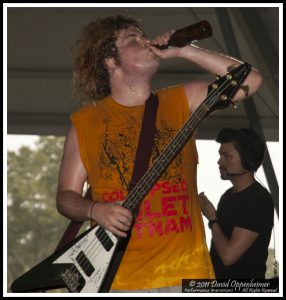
(112, 217)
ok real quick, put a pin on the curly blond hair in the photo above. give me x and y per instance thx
(97, 43)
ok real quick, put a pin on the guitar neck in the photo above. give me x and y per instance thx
(136, 196)
(220, 94)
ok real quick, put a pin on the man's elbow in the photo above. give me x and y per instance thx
(59, 203)
(229, 259)
(257, 81)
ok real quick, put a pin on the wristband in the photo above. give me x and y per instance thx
(91, 209)
(211, 222)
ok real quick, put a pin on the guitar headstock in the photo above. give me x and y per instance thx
(222, 91)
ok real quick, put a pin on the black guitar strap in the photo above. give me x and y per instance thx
(141, 163)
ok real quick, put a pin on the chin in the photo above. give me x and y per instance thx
(151, 68)
(224, 177)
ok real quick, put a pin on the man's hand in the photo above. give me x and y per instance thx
(112, 217)
(207, 207)
(162, 40)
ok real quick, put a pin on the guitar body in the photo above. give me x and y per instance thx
(90, 262)
(87, 264)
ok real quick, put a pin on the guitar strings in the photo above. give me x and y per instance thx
(182, 137)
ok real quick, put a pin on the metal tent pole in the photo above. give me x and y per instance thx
(249, 105)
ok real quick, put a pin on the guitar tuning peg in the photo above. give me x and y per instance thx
(217, 76)
(235, 104)
(245, 88)
(231, 67)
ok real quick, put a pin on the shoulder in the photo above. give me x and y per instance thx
(259, 190)
(171, 91)
(84, 110)
(258, 197)
(89, 112)
(173, 102)
(196, 92)
(82, 121)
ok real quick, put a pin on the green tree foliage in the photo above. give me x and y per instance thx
(33, 222)
(271, 265)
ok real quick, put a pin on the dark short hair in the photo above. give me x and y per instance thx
(248, 143)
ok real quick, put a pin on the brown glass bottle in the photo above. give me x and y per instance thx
(186, 35)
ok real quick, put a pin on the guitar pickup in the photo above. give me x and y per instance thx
(85, 264)
(104, 239)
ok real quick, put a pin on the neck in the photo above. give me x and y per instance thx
(242, 182)
(130, 91)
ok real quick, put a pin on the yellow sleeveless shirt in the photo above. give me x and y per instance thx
(168, 240)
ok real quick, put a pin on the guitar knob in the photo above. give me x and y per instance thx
(231, 67)
(245, 88)
(217, 76)
(235, 104)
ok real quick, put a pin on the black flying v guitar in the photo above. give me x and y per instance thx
(89, 263)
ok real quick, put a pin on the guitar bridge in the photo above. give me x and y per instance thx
(71, 279)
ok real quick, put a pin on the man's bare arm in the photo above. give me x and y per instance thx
(213, 63)
(72, 177)
(70, 202)
(229, 250)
